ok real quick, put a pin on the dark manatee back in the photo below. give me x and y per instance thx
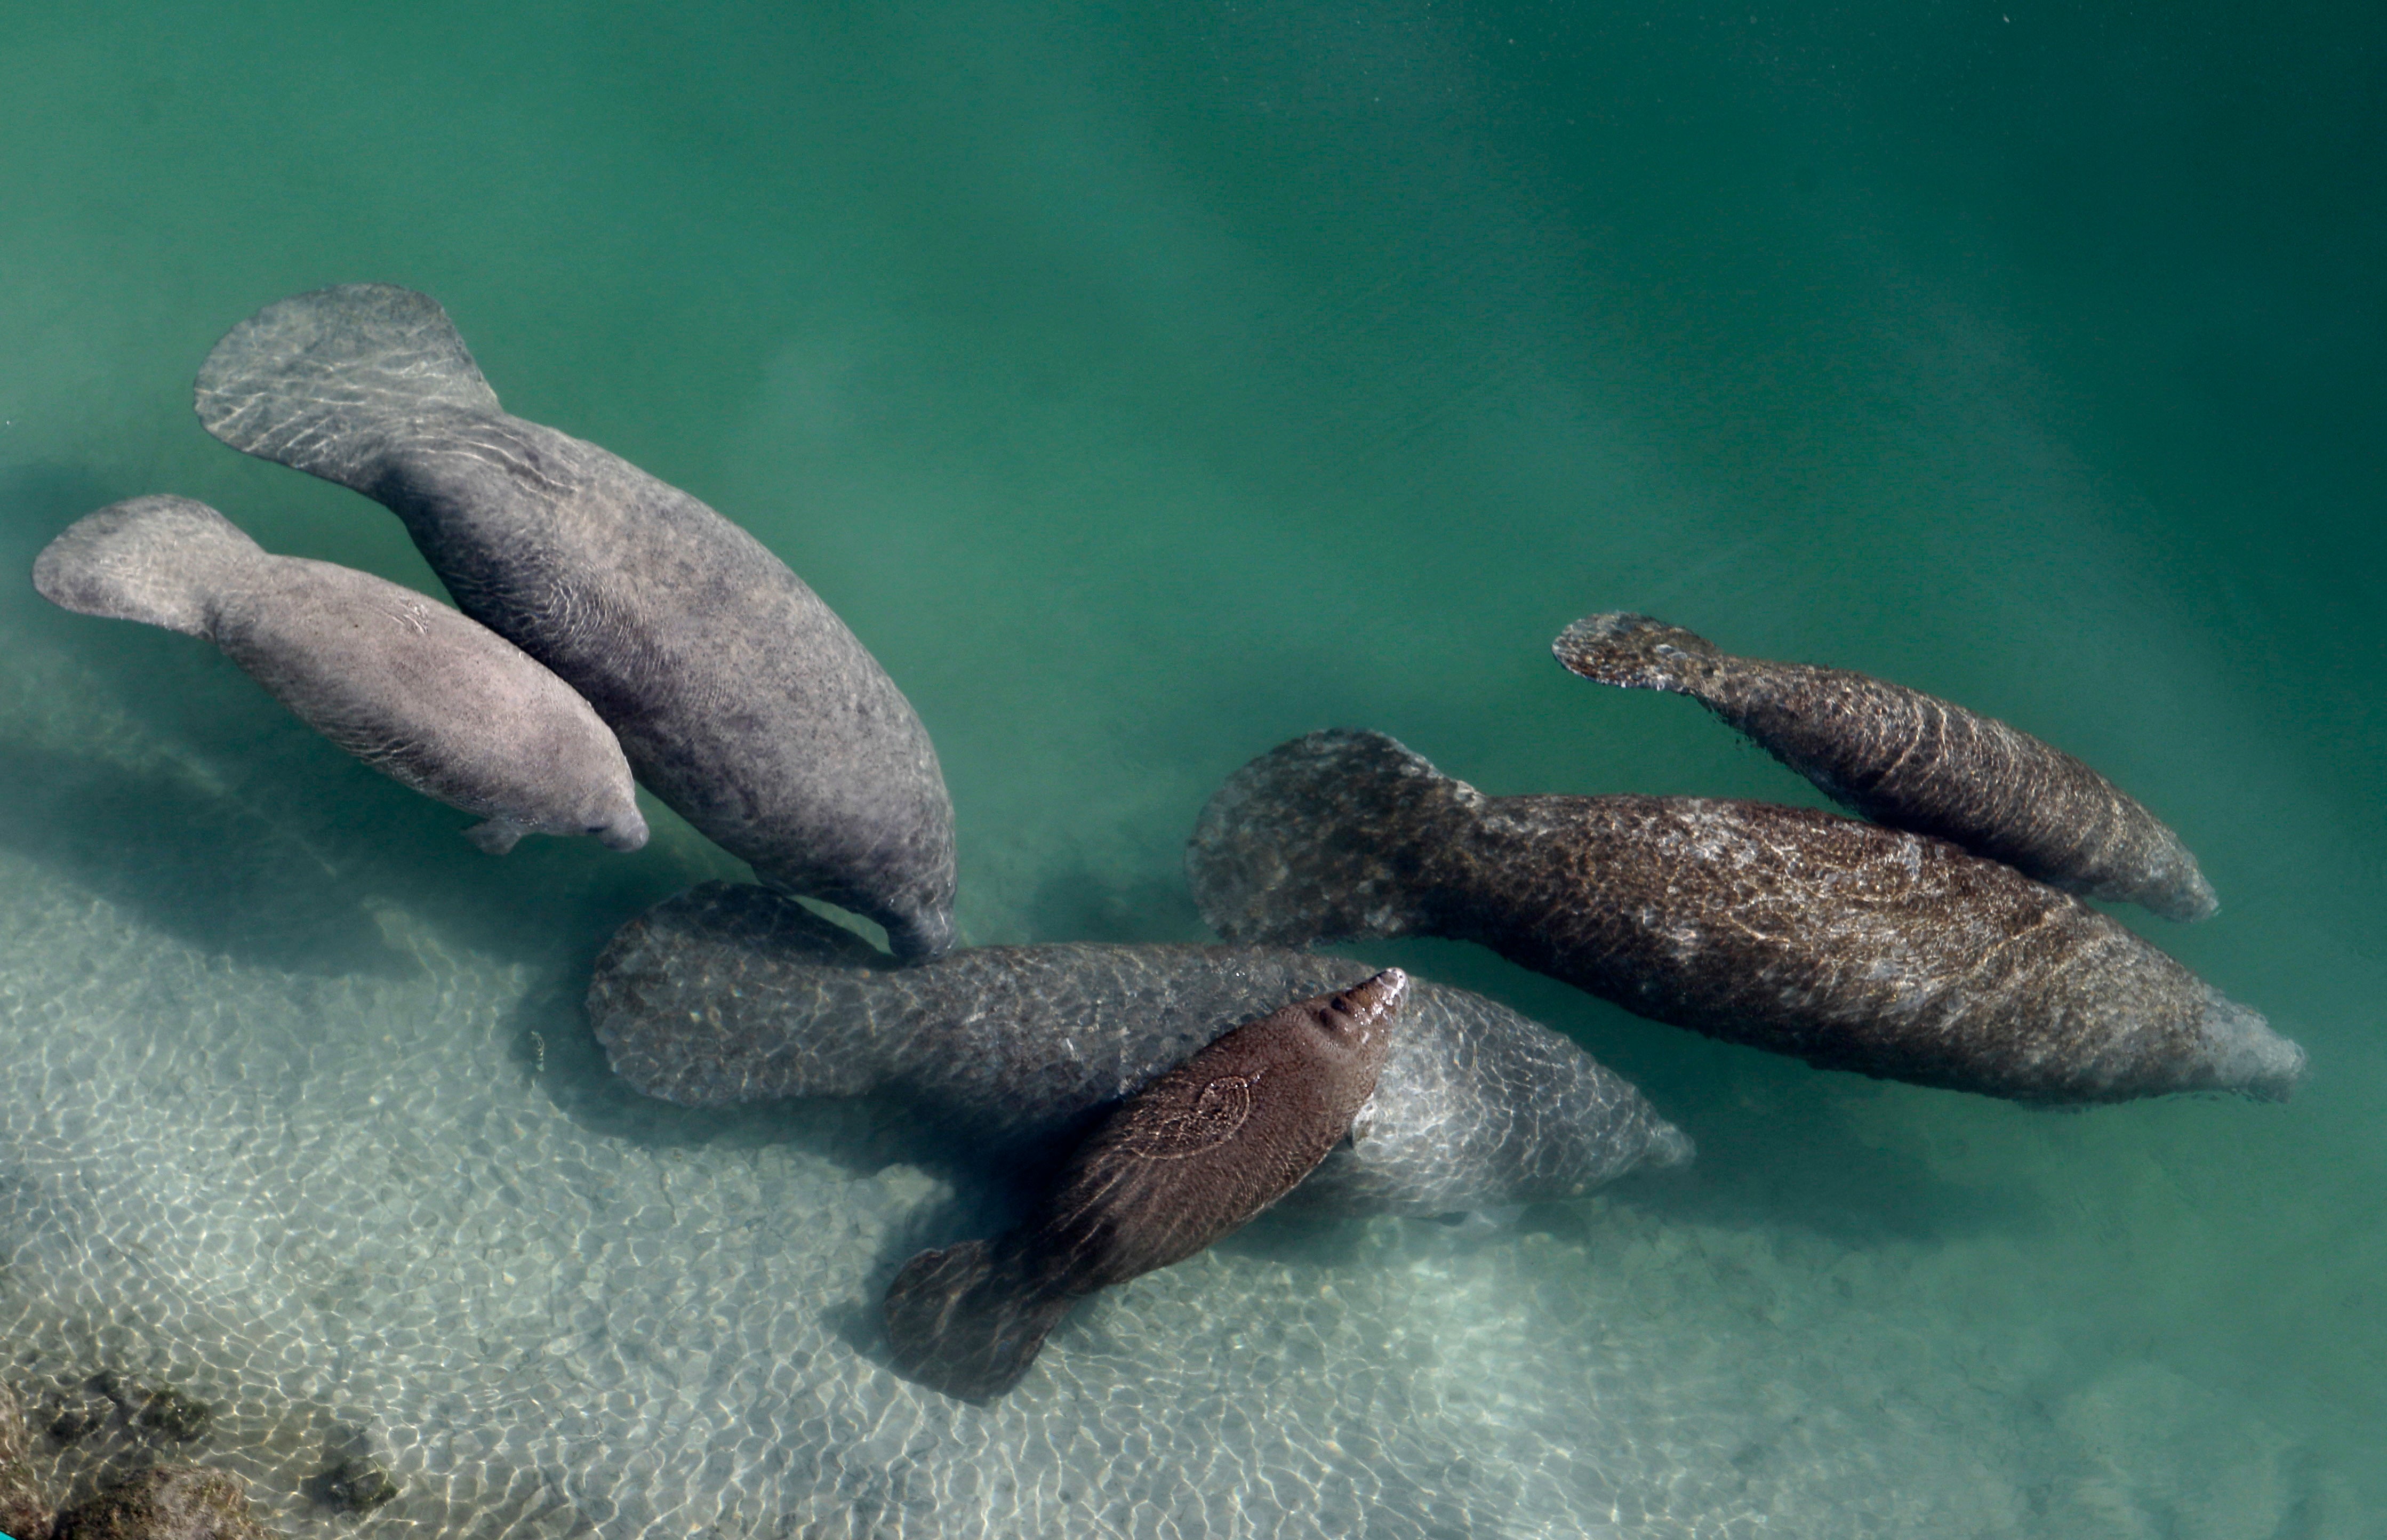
(1186, 1160)
(1915, 762)
(728, 994)
(740, 698)
(1844, 943)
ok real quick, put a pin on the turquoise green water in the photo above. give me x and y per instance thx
(1148, 385)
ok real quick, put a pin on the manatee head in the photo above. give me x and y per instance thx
(617, 828)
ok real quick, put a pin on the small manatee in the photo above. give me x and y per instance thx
(1913, 762)
(424, 695)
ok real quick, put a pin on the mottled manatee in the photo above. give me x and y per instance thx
(1843, 943)
(1913, 762)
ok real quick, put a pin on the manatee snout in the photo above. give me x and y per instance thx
(921, 931)
(626, 831)
(1356, 1013)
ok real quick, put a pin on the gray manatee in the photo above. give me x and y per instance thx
(414, 690)
(741, 699)
(727, 994)
(1844, 943)
(1913, 762)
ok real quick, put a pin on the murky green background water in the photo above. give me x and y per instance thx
(1147, 386)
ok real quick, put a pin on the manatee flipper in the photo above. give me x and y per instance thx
(303, 381)
(1634, 651)
(969, 1320)
(1297, 845)
(495, 836)
(154, 560)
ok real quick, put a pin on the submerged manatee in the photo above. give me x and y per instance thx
(412, 688)
(1843, 943)
(1913, 762)
(728, 994)
(742, 700)
(1186, 1161)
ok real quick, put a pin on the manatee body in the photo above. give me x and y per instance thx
(728, 994)
(1844, 943)
(1187, 1160)
(742, 700)
(414, 690)
(1913, 762)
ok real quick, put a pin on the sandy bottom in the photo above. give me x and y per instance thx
(395, 1206)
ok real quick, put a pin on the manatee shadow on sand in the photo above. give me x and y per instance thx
(198, 866)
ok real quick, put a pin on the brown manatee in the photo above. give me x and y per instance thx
(1844, 943)
(1187, 1160)
(424, 695)
(728, 994)
(742, 700)
(1913, 762)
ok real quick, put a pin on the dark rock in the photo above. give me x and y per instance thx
(24, 1515)
(160, 1410)
(169, 1411)
(166, 1502)
(357, 1483)
(78, 1413)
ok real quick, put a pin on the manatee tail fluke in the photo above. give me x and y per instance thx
(310, 380)
(2245, 1055)
(1321, 838)
(154, 560)
(672, 1026)
(968, 1321)
(1633, 650)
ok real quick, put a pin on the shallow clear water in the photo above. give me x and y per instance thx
(1145, 387)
